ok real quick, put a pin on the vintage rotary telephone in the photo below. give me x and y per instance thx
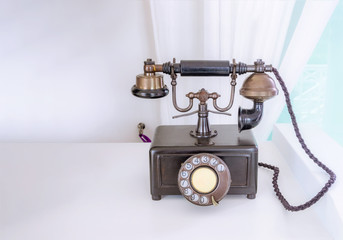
(203, 164)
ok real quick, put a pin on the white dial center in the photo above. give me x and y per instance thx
(204, 180)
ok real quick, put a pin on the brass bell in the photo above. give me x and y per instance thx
(259, 87)
(149, 84)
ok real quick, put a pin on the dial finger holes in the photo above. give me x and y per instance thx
(184, 174)
(203, 200)
(187, 192)
(220, 168)
(195, 197)
(213, 162)
(205, 159)
(196, 161)
(184, 183)
(188, 166)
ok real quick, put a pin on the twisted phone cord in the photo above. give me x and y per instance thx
(307, 151)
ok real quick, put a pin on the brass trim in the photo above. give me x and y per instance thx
(149, 81)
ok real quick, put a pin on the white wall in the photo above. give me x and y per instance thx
(67, 67)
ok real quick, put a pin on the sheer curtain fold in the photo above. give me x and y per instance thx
(244, 30)
(308, 31)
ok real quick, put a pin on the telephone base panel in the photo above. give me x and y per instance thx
(172, 145)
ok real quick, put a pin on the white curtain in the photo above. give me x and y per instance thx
(310, 27)
(244, 30)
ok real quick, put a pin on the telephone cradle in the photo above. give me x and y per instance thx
(172, 146)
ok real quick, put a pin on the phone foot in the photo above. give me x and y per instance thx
(251, 196)
(156, 197)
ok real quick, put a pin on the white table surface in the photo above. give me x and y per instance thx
(101, 191)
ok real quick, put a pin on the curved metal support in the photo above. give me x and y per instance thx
(173, 83)
(232, 95)
(190, 105)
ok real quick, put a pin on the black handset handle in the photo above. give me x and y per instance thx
(213, 68)
(205, 68)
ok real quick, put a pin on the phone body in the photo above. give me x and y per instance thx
(172, 146)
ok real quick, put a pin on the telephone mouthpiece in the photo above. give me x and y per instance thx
(258, 87)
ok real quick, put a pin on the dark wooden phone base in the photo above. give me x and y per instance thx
(172, 145)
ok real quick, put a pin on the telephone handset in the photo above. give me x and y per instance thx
(218, 162)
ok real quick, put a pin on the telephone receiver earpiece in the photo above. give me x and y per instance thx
(258, 87)
(149, 84)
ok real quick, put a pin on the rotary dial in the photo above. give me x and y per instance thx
(204, 179)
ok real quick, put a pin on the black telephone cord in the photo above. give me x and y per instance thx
(307, 151)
